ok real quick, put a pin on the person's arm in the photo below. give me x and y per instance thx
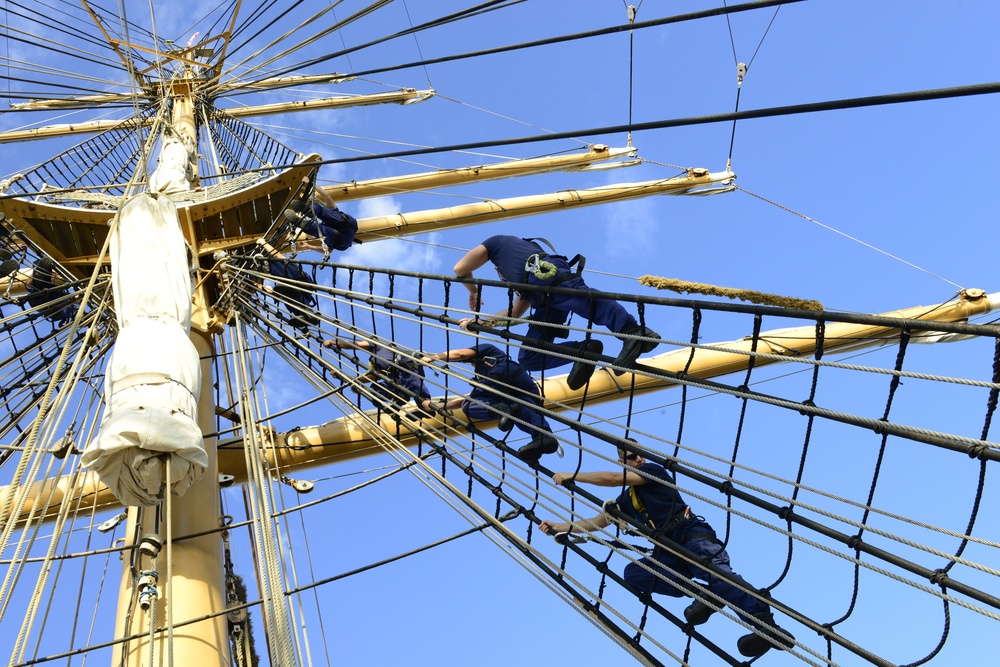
(473, 259)
(581, 525)
(604, 478)
(346, 344)
(462, 354)
(517, 309)
(325, 197)
(452, 403)
(269, 249)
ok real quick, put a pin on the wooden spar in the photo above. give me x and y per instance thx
(49, 225)
(196, 584)
(405, 96)
(443, 178)
(348, 437)
(405, 224)
(282, 82)
(419, 222)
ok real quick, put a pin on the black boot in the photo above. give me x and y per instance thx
(632, 348)
(698, 612)
(505, 422)
(542, 443)
(754, 645)
(8, 264)
(580, 374)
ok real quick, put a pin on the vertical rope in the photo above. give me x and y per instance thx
(169, 520)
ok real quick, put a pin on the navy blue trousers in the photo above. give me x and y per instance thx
(522, 382)
(705, 548)
(414, 384)
(603, 312)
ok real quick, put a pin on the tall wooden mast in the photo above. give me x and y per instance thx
(197, 580)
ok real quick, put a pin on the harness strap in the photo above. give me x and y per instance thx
(545, 241)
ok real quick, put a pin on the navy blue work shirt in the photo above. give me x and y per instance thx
(659, 500)
(509, 255)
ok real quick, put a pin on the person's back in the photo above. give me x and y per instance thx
(520, 260)
(509, 254)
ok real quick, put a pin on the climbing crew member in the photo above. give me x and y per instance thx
(399, 378)
(652, 500)
(520, 260)
(279, 267)
(45, 294)
(332, 228)
(501, 377)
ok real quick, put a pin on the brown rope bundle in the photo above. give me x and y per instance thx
(685, 287)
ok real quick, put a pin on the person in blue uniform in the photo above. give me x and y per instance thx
(331, 227)
(652, 500)
(501, 377)
(46, 293)
(520, 260)
(300, 302)
(394, 371)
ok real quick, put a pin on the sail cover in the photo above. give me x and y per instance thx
(153, 378)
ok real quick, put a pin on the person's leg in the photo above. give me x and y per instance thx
(735, 592)
(612, 315)
(524, 389)
(653, 575)
(531, 358)
(602, 312)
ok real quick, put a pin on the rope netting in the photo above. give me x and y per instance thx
(807, 472)
(820, 464)
(792, 465)
(849, 477)
(96, 172)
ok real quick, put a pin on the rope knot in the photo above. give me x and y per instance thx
(939, 578)
(978, 452)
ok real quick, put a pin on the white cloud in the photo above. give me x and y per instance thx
(631, 228)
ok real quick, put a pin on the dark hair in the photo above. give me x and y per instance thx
(625, 450)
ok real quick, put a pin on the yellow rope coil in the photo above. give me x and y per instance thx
(685, 287)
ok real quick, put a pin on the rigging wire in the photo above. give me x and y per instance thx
(750, 6)
(895, 376)
(416, 42)
(741, 71)
(848, 236)
(496, 4)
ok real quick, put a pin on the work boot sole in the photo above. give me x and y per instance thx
(533, 451)
(580, 374)
(754, 645)
(632, 348)
(698, 612)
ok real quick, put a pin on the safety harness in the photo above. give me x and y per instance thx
(671, 525)
(542, 270)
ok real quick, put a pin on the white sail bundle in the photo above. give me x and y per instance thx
(175, 165)
(154, 374)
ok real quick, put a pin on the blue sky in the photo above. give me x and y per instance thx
(873, 210)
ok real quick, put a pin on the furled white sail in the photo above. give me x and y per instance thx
(154, 376)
